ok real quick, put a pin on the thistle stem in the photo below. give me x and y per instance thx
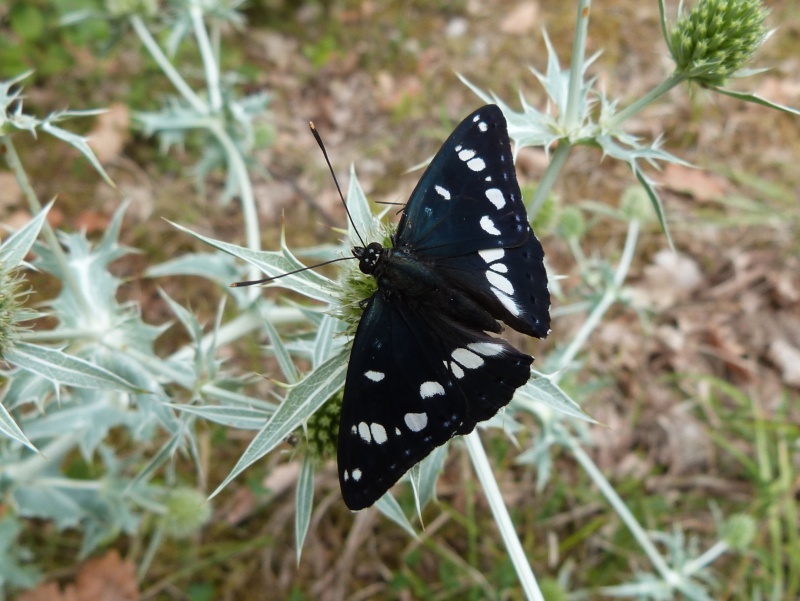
(500, 512)
(209, 59)
(610, 296)
(665, 86)
(166, 66)
(549, 177)
(621, 509)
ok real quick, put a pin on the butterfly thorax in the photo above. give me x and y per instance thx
(414, 282)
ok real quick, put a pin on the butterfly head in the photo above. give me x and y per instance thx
(368, 257)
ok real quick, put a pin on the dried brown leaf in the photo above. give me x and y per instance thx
(10, 193)
(782, 91)
(724, 344)
(110, 132)
(105, 578)
(671, 278)
(521, 20)
(688, 445)
(47, 591)
(700, 185)
(92, 221)
(787, 358)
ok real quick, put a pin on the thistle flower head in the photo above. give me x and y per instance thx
(635, 204)
(187, 510)
(547, 217)
(717, 38)
(571, 223)
(11, 311)
(739, 531)
(356, 287)
(322, 429)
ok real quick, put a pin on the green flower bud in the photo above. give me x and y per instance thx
(739, 531)
(717, 38)
(322, 429)
(124, 8)
(571, 223)
(188, 510)
(635, 204)
(545, 219)
(552, 590)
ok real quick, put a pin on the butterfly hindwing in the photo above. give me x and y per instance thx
(511, 283)
(412, 384)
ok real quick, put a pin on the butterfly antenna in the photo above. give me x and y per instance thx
(335, 181)
(277, 277)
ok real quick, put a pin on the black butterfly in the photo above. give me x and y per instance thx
(423, 366)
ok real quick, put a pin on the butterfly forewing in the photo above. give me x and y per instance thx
(412, 384)
(467, 215)
(468, 198)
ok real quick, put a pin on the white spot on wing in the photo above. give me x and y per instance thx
(416, 421)
(496, 197)
(346, 475)
(375, 376)
(488, 178)
(476, 164)
(467, 358)
(482, 126)
(378, 433)
(487, 349)
(356, 474)
(397, 431)
(443, 192)
(457, 371)
(476, 118)
(507, 302)
(492, 254)
(363, 432)
(465, 154)
(499, 281)
(499, 267)
(488, 226)
(429, 389)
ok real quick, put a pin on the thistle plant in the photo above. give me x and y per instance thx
(96, 370)
(574, 124)
(713, 42)
(226, 126)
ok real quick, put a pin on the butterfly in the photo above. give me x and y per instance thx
(426, 364)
